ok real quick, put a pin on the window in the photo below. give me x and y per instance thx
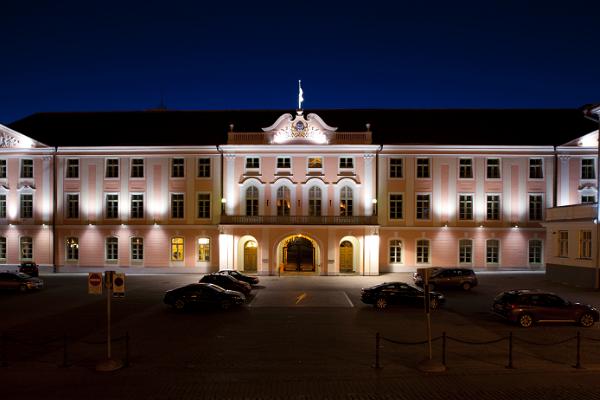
(112, 168)
(26, 206)
(395, 251)
(396, 206)
(72, 205)
(137, 248)
(26, 248)
(252, 201)
(422, 251)
(492, 168)
(465, 169)
(2, 206)
(588, 199)
(72, 249)
(2, 169)
(137, 168)
(535, 207)
(396, 170)
(423, 206)
(465, 251)
(26, 168)
(346, 201)
(112, 248)
(315, 162)
(535, 251)
(346, 162)
(137, 205)
(284, 162)
(585, 244)
(492, 251)
(204, 249)
(177, 249)
(536, 168)
(587, 168)
(423, 168)
(72, 168)
(177, 205)
(493, 207)
(465, 207)
(563, 243)
(314, 201)
(284, 202)
(2, 248)
(252, 163)
(204, 168)
(177, 168)
(204, 205)
(112, 206)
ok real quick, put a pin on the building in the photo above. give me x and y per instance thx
(390, 190)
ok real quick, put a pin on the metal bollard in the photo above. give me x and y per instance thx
(510, 351)
(578, 363)
(444, 348)
(127, 349)
(377, 339)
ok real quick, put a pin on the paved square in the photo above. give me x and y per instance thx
(298, 298)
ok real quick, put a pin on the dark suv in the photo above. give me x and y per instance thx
(463, 278)
(29, 268)
(527, 307)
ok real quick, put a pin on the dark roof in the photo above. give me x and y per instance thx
(389, 126)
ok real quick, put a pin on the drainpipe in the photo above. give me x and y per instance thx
(54, 206)
(555, 180)
(593, 113)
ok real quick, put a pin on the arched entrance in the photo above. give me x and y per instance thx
(250, 256)
(346, 257)
(299, 254)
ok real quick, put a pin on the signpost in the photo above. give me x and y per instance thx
(94, 283)
(428, 365)
(109, 281)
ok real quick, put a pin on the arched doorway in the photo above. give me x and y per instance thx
(346, 257)
(299, 255)
(250, 254)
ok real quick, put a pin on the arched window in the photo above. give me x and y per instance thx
(284, 202)
(395, 251)
(26, 247)
(346, 201)
(422, 251)
(177, 249)
(465, 251)
(252, 201)
(314, 201)
(112, 248)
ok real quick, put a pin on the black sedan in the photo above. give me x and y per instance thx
(203, 295)
(227, 282)
(389, 293)
(239, 276)
(19, 281)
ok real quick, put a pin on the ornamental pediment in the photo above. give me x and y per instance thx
(10, 139)
(299, 129)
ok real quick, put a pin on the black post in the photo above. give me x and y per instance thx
(444, 348)
(65, 353)
(3, 359)
(377, 338)
(510, 350)
(127, 349)
(578, 363)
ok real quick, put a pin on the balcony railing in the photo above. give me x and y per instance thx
(297, 220)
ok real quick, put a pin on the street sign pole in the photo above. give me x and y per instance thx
(428, 365)
(109, 364)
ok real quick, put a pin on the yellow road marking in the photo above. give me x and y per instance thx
(300, 298)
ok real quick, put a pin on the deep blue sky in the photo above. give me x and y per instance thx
(87, 55)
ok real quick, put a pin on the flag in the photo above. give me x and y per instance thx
(300, 95)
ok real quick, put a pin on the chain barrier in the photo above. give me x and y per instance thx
(61, 342)
(510, 338)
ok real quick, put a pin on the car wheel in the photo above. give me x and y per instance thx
(225, 304)
(179, 304)
(586, 320)
(381, 303)
(525, 320)
(466, 286)
(22, 288)
(434, 303)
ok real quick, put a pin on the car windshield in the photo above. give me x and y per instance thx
(215, 287)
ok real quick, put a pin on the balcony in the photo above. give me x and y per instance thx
(297, 220)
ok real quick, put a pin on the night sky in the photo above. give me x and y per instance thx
(110, 56)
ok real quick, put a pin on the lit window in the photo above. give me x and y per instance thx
(177, 206)
(26, 206)
(72, 205)
(177, 249)
(112, 168)
(422, 251)
(137, 248)
(137, 168)
(137, 205)
(465, 168)
(396, 206)
(203, 205)
(396, 169)
(395, 251)
(72, 168)
(72, 249)
(536, 168)
(26, 248)
(284, 202)
(112, 249)
(203, 249)
(203, 167)
(493, 168)
(423, 168)
(26, 168)
(346, 201)
(177, 168)
(315, 162)
(465, 251)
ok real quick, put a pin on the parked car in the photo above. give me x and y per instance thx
(432, 270)
(389, 293)
(463, 278)
(29, 268)
(527, 307)
(227, 282)
(19, 281)
(252, 280)
(203, 295)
